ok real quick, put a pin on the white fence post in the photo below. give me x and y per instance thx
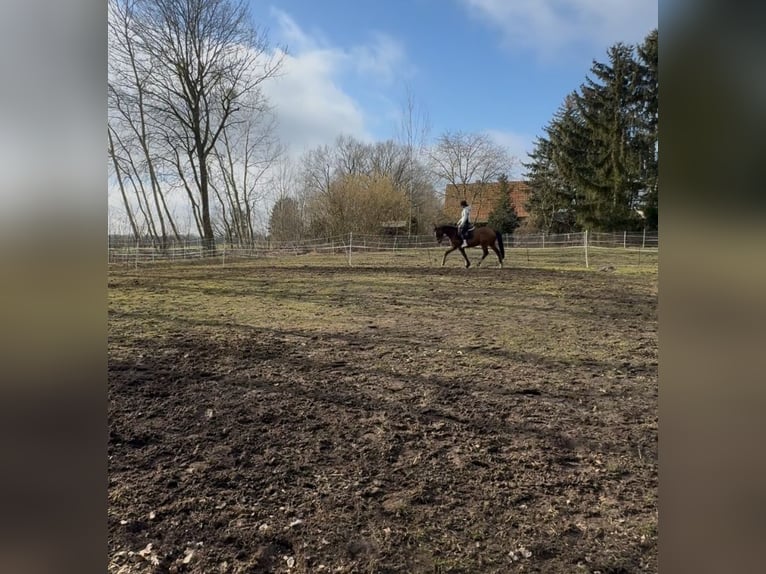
(586, 249)
(624, 239)
(350, 237)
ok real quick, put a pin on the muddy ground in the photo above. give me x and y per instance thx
(380, 420)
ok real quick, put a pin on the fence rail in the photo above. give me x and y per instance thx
(124, 250)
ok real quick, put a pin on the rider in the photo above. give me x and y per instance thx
(464, 222)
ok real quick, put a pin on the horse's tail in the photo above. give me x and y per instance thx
(499, 237)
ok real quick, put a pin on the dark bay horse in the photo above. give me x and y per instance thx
(484, 237)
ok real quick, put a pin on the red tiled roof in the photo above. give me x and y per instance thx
(483, 199)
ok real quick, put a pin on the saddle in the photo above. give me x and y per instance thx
(468, 233)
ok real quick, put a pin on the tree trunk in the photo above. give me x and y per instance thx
(118, 173)
(208, 238)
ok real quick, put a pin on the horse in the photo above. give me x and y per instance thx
(484, 237)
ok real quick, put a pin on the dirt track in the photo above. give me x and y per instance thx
(320, 419)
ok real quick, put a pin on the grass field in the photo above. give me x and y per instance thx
(302, 415)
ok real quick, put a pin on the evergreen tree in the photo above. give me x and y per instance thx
(648, 89)
(504, 217)
(610, 178)
(601, 142)
(550, 207)
(597, 165)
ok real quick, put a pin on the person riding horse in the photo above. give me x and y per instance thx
(464, 222)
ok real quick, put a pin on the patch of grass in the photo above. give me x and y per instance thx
(510, 314)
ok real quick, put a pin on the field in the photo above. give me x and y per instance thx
(300, 415)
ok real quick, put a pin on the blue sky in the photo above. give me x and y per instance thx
(496, 66)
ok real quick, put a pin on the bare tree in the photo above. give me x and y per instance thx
(129, 172)
(388, 158)
(410, 176)
(351, 156)
(117, 170)
(318, 167)
(244, 158)
(287, 220)
(328, 173)
(414, 130)
(460, 159)
(201, 62)
(127, 81)
(356, 203)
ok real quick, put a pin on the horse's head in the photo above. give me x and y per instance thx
(439, 232)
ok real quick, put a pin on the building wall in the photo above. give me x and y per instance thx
(483, 198)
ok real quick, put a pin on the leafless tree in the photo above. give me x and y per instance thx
(460, 159)
(328, 172)
(317, 170)
(414, 130)
(356, 203)
(117, 170)
(351, 156)
(410, 176)
(245, 158)
(287, 221)
(201, 64)
(129, 172)
(130, 139)
(387, 158)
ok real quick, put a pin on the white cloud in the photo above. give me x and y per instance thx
(552, 27)
(293, 35)
(312, 106)
(518, 146)
(383, 60)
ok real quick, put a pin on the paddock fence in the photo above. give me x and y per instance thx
(583, 249)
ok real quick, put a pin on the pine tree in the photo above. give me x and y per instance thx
(504, 217)
(611, 178)
(598, 162)
(550, 203)
(648, 89)
(553, 202)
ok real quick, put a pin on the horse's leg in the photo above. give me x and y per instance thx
(467, 262)
(486, 252)
(447, 253)
(497, 252)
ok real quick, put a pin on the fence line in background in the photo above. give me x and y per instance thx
(132, 251)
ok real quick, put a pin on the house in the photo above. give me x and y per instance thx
(483, 198)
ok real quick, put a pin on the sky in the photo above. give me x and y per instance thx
(501, 67)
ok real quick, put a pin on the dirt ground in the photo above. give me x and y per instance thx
(332, 419)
